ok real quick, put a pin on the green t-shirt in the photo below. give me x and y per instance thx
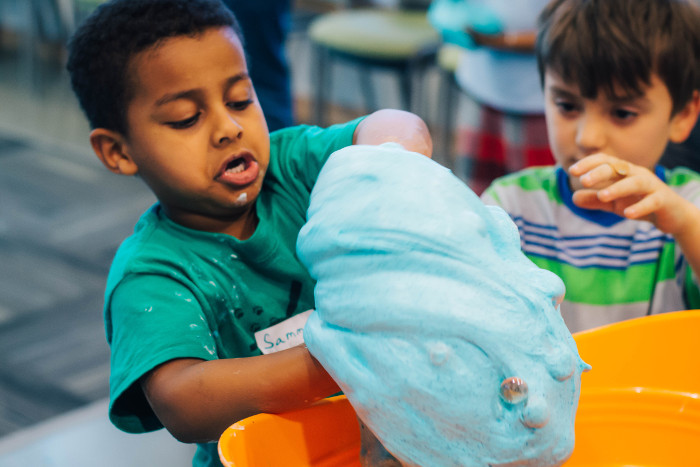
(175, 292)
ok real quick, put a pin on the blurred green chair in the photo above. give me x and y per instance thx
(399, 40)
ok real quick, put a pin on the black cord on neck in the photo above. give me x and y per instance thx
(657, 272)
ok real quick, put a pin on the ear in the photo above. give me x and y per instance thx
(111, 148)
(683, 122)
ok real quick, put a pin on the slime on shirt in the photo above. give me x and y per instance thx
(445, 338)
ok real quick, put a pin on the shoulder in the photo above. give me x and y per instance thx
(680, 176)
(159, 246)
(298, 153)
(313, 136)
(144, 232)
(521, 187)
(152, 236)
(685, 182)
(532, 178)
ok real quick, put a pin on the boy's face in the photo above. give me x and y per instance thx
(636, 129)
(197, 132)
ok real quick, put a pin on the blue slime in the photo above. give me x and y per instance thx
(445, 338)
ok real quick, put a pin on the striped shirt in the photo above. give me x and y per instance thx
(613, 268)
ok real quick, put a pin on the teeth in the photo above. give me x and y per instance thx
(237, 167)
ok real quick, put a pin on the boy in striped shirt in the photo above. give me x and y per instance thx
(621, 79)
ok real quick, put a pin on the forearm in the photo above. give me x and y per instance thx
(521, 42)
(397, 126)
(197, 400)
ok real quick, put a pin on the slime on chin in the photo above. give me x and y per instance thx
(242, 199)
(445, 338)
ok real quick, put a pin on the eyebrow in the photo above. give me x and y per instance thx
(629, 99)
(191, 93)
(617, 100)
(564, 92)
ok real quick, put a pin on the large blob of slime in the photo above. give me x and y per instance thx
(445, 338)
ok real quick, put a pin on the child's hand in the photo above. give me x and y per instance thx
(397, 126)
(629, 190)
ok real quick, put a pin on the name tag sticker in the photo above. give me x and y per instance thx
(284, 335)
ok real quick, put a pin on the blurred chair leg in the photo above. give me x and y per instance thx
(417, 98)
(323, 62)
(406, 88)
(367, 86)
(447, 101)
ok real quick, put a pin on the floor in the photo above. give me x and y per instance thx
(85, 438)
(62, 216)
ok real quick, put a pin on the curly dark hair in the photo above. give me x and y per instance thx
(601, 44)
(100, 51)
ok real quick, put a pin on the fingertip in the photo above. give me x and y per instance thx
(579, 198)
(586, 180)
(630, 212)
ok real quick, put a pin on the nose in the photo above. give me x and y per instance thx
(590, 134)
(225, 127)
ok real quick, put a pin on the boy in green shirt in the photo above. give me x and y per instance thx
(210, 279)
(621, 79)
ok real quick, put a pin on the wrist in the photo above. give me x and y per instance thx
(510, 39)
(689, 230)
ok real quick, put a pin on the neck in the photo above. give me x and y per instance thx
(241, 225)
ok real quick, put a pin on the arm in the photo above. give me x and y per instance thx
(397, 126)
(521, 42)
(635, 192)
(197, 400)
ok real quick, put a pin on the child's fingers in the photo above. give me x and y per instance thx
(645, 207)
(599, 170)
(599, 177)
(620, 168)
(634, 197)
(628, 186)
(588, 163)
(588, 199)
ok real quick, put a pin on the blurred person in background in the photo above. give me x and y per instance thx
(265, 26)
(504, 129)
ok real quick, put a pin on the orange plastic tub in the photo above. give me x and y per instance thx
(324, 435)
(639, 406)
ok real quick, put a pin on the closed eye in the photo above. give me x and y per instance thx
(186, 123)
(240, 105)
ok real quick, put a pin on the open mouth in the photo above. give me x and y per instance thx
(239, 170)
(237, 165)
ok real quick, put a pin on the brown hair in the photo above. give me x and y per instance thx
(611, 44)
